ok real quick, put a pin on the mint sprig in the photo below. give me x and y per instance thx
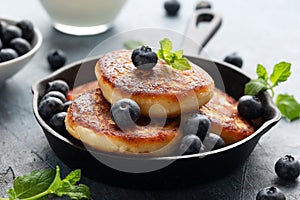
(41, 184)
(287, 104)
(174, 59)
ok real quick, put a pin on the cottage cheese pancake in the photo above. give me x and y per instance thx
(172, 91)
(88, 119)
(225, 119)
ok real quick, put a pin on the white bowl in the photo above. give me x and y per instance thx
(11, 67)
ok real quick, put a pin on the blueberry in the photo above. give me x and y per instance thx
(250, 107)
(50, 106)
(57, 122)
(67, 105)
(58, 85)
(7, 54)
(125, 112)
(234, 59)
(196, 124)
(203, 5)
(287, 168)
(21, 45)
(144, 58)
(56, 59)
(27, 29)
(190, 144)
(3, 26)
(56, 94)
(213, 141)
(172, 7)
(1, 44)
(10, 32)
(270, 193)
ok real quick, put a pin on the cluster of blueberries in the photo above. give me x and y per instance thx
(15, 40)
(53, 105)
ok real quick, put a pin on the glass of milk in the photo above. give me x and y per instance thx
(82, 17)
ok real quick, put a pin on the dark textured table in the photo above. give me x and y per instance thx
(264, 32)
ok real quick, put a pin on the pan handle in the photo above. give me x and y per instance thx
(202, 26)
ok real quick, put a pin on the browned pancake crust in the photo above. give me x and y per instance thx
(225, 120)
(160, 85)
(91, 111)
(221, 110)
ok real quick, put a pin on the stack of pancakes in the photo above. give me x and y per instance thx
(164, 95)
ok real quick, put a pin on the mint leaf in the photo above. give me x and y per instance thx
(166, 45)
(73, 177)
(281, 72)
(40, 184)
(262, 72)
(174, 59)
(253, 87)
(33, 184)
(132, 44)
(181, 64)
(288, 106)
(178, 54)
(74, 191)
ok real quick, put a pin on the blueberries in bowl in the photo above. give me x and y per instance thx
(7, 54)
(21, 45)
(287, 168)
(250, 107)
(16, 36)
(27, 29)
(270, 193)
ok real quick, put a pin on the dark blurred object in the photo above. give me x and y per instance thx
(203, 5)
(234, 59)
(172, 7)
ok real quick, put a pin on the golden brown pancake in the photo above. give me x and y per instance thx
(88, 120)
(171, 91)
(225, 120)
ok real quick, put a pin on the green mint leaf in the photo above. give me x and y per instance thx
(33, 184)
(181, 64)
(178, 54)
(281, 72)
(166, 45)
(288, 106)
(74, 191)
(253, 87)
(73, 177)
(132, 44)
(174, 59)
(11, 194)
(39, 184)
(262, 72)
